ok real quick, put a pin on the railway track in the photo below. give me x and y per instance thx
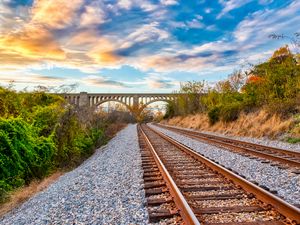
(183, 187)
(280, 157)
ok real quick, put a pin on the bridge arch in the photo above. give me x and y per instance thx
(113, 100)
(155, 100)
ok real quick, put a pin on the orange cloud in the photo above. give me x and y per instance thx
(103, 54)
(105, 57)
(83, 38)
(55, 13)
(34, 42)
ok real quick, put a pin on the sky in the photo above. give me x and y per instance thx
(140, 46)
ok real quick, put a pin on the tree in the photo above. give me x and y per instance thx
(193, 90)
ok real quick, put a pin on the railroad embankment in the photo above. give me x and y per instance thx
(255, 124)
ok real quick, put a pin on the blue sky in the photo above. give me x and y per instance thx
(136, 45)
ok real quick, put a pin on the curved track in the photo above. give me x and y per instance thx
(199, 188)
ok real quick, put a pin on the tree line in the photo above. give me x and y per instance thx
(273, 85)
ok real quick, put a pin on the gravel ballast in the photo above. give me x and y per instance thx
(286, 184)
(261, 141)
(106, 189)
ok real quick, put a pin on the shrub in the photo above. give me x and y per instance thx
(4, 188)
(292, 140)
(170, 111)
(39, 133)
(282, 107)
(230, 112)
(23, 154)
(214, 115)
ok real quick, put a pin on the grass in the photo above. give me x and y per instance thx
(255, 124)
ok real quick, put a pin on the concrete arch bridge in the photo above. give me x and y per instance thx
(134, 102)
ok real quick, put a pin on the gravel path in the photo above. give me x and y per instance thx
(261, 141)
(106, 189)
(286, 184)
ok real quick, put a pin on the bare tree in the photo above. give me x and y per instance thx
(294, 40)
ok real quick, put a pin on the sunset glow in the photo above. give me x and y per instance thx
(136, 45)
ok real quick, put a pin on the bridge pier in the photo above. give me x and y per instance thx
(83, 99)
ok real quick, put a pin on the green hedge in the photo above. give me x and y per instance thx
(23, 154)
(39, 133)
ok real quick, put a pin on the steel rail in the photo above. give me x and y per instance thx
(185, 210)
(219, 141)
(280, 205)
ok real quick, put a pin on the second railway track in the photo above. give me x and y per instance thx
(282, 157)
(201, 189)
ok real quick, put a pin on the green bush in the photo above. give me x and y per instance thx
(170, 111)
(39, 133)
(230, 112)
(214, 115)
(292, 140)
(23, 154)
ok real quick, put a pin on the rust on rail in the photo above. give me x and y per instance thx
(219, 191)
(283, 156)
(185, 210)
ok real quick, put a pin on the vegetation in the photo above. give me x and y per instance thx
(39, 133)
(273, 85)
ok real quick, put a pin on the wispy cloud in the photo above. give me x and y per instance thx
(231, 5)
(99, 81)
(254, 30)
(169, 2)
(30, 78)
(158, 82)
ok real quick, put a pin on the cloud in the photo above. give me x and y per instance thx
(169, 2)
(30, 78)
(83, 38)
(93, 15)
(208, 10)
(125, 4)
(265, 2)
(103, 53)
(145, 5)
(93, 35)
(103, 82)
(33, 42)
(145, 33)
(231, 5)
(255, 29)
(55, 13)
(11, 59)
(156, 81)
(195, 24)
(10, 19)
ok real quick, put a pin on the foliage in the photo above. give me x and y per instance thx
(170, 110)
(187, 100)
(273, 85)
(39, 132)
(293, 140)
(214, 115)
(230, 112)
